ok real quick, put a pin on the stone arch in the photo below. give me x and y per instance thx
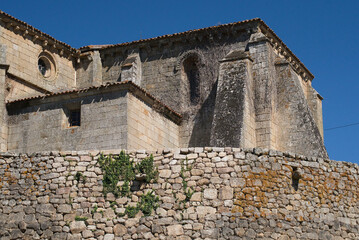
(190, 64)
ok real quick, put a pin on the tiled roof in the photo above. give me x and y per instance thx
(177, 34)
(7, 17)
(135, 89)
(276, 40)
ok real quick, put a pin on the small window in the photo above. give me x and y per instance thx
(46, 65)
(74, 117)
(42, 67)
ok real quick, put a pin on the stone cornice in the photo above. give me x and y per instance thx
(278, 44)
(216, 33)
(236, 55)
(211, 34)
(13, 24)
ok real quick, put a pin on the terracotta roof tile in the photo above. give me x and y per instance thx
(260, 21)
(177, 34)
(4, 15)
(108, 85)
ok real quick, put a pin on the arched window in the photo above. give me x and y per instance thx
(191, 75)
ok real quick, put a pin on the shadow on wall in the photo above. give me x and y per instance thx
(201, 132)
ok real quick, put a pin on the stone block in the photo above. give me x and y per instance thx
(77, 227)
(204, 210)
(64, 208)
(165, 173)
(210, 193)
(196, 197)
(175, 230)
(226, 193)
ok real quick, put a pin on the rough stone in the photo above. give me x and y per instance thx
(119, 230)
(210, 193)
(77, 226)
(175, 230)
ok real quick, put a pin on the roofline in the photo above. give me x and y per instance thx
(267, 31)
(175, 34)
(28, 29)
(284, 50)
(273, 38)
(129, 85)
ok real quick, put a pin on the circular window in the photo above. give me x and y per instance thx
(46, 65)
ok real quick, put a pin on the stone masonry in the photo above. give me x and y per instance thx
(238, 194)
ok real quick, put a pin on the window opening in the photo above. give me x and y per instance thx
(190, 67)
(75, 117)
(42, 67)
(295, 178)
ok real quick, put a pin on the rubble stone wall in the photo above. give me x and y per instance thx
(238, 194)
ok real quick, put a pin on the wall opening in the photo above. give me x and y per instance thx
(192, 76)
(72, 114)
(75, 118)
(295, 178)
(46, 65)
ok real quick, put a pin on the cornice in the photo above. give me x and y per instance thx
(278, 45)
(35, 35)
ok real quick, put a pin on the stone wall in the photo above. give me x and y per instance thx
(148, 129)
(44, 125)
(238, 194)
(111, 118)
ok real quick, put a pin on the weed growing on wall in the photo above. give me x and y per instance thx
(148, 203)
(188, 192)
(121, 168)
(78, 218)
(115, 169)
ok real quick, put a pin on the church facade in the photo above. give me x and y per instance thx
(233, 85)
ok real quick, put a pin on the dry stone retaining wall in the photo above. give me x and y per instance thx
(238, 194)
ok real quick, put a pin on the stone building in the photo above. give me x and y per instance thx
(233, 85)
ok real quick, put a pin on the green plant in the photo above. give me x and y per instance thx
(148, 203)
(78, 218)
(94, 209)
(122, 168)
(79, 176)
(113, 205)
(116, 168)
(131, 211)
(188, 192)
(146, 167)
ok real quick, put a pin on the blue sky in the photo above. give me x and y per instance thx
(323, 34)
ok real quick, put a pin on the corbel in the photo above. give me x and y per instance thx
(35, 37)
(219, 36)
(199, 37)
(170, 43)
(44, 43)
(25, 33)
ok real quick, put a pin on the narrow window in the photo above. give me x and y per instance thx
(295, 178)
(191, 71)
(74, 117)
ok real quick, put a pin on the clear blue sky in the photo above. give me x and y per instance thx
(323, 34)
